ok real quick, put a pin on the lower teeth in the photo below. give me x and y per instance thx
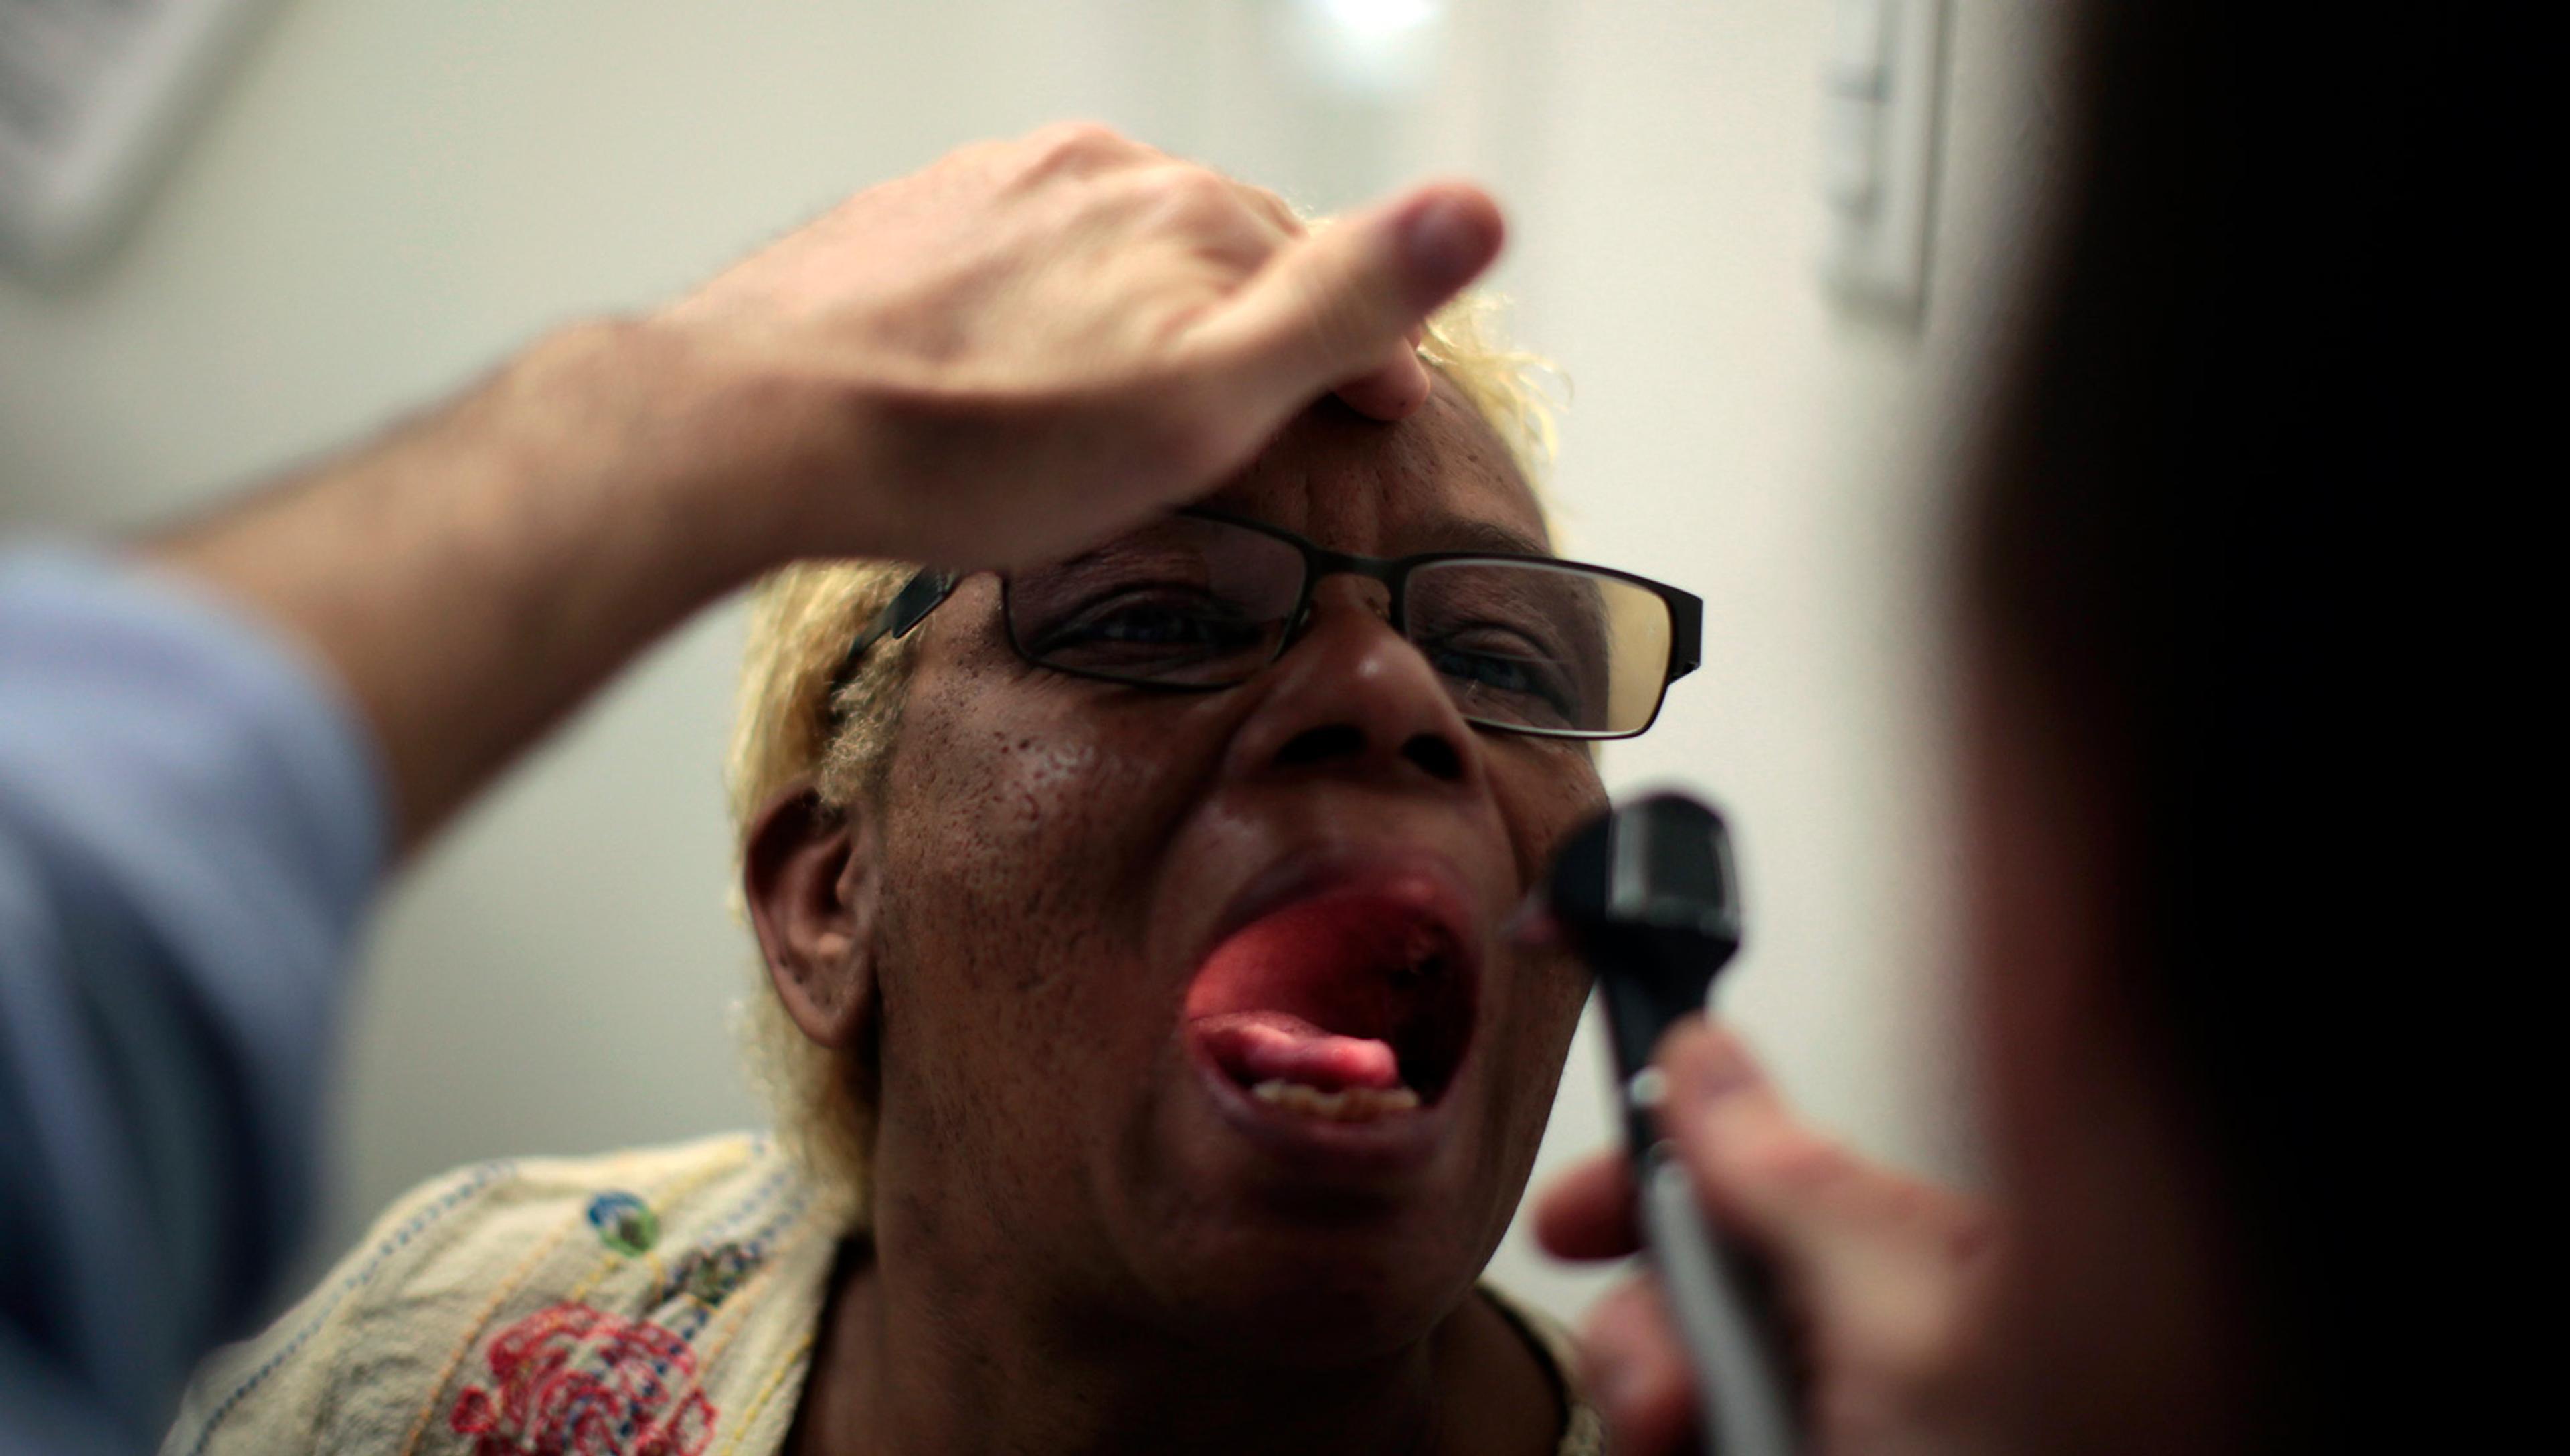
(1351, 1104)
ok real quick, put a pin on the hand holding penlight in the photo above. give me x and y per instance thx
(1647, 895)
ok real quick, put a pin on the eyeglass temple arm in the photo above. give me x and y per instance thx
(1686, 631)
(919, 596)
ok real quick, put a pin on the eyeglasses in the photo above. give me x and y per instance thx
(1203, 599)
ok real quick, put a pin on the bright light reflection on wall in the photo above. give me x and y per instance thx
(1371, 48)
(1378, 17)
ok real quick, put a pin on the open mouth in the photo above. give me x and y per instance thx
(1353, 1004)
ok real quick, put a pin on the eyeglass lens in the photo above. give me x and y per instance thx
(1192, 602)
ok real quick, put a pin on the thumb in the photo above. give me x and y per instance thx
(1887, 1278)
(1334, 305)
(1800, 1197)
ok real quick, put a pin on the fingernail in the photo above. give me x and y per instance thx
(1611, 1383)
(1447, 241)
(1616, 1400)
(1707, 1064)
(1532, 924)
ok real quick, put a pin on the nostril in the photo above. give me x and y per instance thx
(1320, 745)
(1435, 754)
(1431, 753)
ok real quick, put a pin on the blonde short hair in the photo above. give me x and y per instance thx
(791, 728)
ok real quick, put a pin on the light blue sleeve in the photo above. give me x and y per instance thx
(193, 822)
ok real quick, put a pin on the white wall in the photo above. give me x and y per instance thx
(1736, 431)
(394, 194)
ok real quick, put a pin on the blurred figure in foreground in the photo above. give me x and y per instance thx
(2202, 866)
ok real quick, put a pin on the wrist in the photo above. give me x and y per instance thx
(733, 463)
(619, 418)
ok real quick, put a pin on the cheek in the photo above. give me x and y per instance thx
(1549, 989)
(1545, 790)
(1022, 825)
(1544, 793)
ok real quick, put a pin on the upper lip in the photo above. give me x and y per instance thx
(1308, 873)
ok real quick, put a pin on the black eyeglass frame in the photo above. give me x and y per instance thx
(929, 588)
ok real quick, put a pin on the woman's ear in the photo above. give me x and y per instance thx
(813, 879)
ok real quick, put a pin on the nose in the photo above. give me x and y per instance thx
(1353, 697)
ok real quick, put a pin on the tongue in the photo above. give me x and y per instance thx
(1264, 1046)
(1265, 1000)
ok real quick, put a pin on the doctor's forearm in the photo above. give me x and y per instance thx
(476, 574)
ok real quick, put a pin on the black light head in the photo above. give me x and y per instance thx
(1647, 895)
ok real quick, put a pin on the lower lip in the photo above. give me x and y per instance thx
(1399, 1143)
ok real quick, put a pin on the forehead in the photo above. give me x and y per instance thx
(1438, 481)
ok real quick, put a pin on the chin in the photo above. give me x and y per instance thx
(1281, 1249)
(1310, 1294)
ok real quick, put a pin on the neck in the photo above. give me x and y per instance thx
(908, 1361)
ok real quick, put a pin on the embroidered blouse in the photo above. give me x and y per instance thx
(654, 1303)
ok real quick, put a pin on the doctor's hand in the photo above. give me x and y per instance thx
(1034, 344)
(1014, 354)
(1883, 1280)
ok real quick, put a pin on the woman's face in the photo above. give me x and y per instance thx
(1108, 915)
